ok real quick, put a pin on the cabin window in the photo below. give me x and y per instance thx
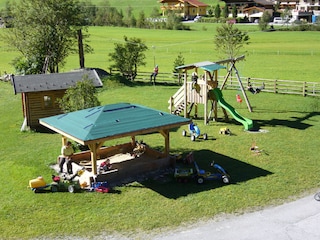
(47, 101)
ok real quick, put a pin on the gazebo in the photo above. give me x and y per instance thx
(94, 126)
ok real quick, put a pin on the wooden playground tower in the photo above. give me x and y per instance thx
(188, 96)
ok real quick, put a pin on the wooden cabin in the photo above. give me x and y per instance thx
(39, 93)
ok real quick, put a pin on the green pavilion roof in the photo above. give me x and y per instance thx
(111, 121)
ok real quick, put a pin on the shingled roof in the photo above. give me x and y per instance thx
(53, 81)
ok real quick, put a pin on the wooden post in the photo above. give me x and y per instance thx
(166, 133)
(304, 89)
(242, 89)
(205, 118)
(64, 140)
(80, 48)
(171, 103)
(94, 148)
(185, 95)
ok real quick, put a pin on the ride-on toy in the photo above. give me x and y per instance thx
(194, 132)
(183, 174)
(219, 174)
(67, 184)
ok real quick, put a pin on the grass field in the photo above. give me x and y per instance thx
(288, 168)
(272, 55)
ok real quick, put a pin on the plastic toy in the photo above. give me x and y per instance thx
(66, 185)
(239, 99)
(218, 174)
(105, 166)
(39, 185)
(183, 174)
(225, 131)
(102, 187)
(139, 149)
(194, 132)
(194, 172)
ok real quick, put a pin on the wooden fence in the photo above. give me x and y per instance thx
(270, 85)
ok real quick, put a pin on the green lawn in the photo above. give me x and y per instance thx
(288, 168)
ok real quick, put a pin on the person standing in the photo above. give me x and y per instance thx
(154, 74)
(66, 157)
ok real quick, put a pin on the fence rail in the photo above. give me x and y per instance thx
(270, 85)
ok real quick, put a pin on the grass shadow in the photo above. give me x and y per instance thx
(294, 122)
(238, 170)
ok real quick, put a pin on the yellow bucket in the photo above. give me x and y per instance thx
(37, 182)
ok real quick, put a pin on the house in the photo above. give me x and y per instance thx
(252, 9)
(308, 10)
(39, 93)
(187, 9)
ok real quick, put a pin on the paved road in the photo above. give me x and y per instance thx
(295, 220)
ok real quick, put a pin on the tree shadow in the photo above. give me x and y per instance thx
(294, 122)
(238, 170)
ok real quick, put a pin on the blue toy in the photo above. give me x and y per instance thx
(219, 174)
(183, 174)
(194, 131)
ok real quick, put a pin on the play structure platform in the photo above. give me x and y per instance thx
(203, 89)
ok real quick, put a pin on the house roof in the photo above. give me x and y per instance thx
(195, 3)
(206, 65)
(53, 81)
(261, 2)
(111, 121)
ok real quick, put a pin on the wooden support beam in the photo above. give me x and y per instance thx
(166, 134)
(94, 148)
(205, 118)
(185, 95)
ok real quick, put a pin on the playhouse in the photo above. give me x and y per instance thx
(204, 89)
(39, 93)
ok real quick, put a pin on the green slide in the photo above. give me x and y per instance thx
(247, 123)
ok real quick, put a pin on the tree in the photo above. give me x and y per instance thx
(234, 11)
(45, 31)
(173, 21)
(217, 11)
(79, 97)
(155, 13)
(128, 56)
(179, 61)
(226, 11)
(264, 21)
(141, 22)
(229, 40)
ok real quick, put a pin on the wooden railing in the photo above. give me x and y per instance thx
(303, 88)
(279, 86)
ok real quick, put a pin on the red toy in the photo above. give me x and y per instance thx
(239, 100)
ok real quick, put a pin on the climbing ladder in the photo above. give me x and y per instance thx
(176, 102)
